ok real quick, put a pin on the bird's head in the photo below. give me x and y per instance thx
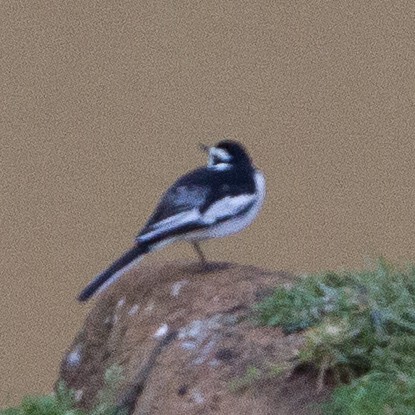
(226, 153)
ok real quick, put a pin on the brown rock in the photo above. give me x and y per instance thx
(187, 345)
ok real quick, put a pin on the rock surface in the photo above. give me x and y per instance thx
(187, 345)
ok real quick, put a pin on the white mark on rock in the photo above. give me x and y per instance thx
(133, 310)
(121, 302)
(161, 331)
(199, 360)
(74, 357)
(197, 397)
(78, 395)
(194, 330)
(177, 286)
(214, 363)
(188, 345)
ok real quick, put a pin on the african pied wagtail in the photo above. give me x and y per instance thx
(210, 202)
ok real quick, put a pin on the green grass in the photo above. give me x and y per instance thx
(254, 374)
(360, 326)
(62, 401)
(59, 403)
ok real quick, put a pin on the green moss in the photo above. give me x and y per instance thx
(62, 402)
(254, 374)
(59, 403)
(361, 327)
(251, 375)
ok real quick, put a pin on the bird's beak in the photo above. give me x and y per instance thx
(204, 147)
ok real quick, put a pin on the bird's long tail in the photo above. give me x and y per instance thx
(113, 272)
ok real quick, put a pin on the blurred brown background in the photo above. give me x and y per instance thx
(103, 103)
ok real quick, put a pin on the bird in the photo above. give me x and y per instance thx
(214, 201)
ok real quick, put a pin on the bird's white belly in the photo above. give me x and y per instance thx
(236, 224)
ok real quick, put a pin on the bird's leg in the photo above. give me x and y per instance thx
(199, 252)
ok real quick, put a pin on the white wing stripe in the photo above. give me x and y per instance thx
(226, 207)
(171, 223)
(175, 219)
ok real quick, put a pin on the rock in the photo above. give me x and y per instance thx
(187, 345)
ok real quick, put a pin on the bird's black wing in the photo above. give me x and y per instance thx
(179, 206)
(189, 204)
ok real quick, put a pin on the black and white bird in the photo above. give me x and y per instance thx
(210, 202)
